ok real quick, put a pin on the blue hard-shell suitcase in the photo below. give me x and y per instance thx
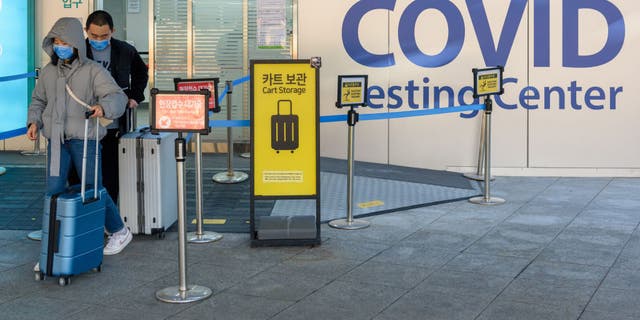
(73, 230)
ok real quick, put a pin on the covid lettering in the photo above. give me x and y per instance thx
(492, 54)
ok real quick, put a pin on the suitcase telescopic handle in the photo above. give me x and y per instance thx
(290, 106)
(131, 119)
(83, 187)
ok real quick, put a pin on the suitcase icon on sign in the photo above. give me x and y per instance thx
(284, 129)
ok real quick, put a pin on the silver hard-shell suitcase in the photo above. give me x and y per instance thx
(148, 182)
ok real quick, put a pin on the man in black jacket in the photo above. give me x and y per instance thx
(131, 74)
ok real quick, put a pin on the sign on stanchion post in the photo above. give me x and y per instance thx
(181, 111)
(487, 82)
(229, 176)
(211, 84)
(352, 92)
(285, 149)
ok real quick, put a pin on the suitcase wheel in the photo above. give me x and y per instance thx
(63, 281)
(161, 235)
(98, 268)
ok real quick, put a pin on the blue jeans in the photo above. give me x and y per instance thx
(71, 152)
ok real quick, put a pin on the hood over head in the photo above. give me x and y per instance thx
(70, 31)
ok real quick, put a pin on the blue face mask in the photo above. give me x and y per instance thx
(63, 52)
(99, 45)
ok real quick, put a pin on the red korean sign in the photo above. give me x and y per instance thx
(180, 111)
(199, 84)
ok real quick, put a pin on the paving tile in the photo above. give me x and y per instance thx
(89, 288)
(579, 252)
(279, 286)
(508, 310)
(591, 245)
(609, 217)
(232, 306)
(341, 249)
(18, 282)
(570, 273)
(434, 305)
(546, 220)
(139, 267)
(623, 302)
(623, 278)
(471, 228)
(142, 297)
(513, 240)
(564, 211)
(316, 264)
(402, 220)
(387, 274)
(552, 293)
(448, 240)
(6, 266)
(38, 307)
(344, 300)
(374, 233)
(19, 252)
(416, 256)
(464, 283)
(600, 315)
(488, 264)
(100, 312)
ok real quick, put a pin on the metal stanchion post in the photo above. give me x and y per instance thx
(200, 236)
(37, 234)
(478, 175)
(349, 223)
(183, 293)
(487, 199)
(36, 149)
(229, 176)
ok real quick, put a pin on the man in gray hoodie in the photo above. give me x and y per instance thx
(68, 86)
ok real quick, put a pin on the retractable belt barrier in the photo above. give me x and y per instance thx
(246, 123)
(18, 132)
(343, 117)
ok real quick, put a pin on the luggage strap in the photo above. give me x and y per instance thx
(54, 231)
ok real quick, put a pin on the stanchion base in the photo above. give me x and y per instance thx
(234, 177)
(35, 235)
(245, 155)
(344, 224)
(2, 171)
(477, 177)
(204, 237)
(492, 201)
(192, 294)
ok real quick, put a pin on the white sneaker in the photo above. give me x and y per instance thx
(117, 242)
(36, 268)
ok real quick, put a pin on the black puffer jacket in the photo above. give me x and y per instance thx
(129, 71)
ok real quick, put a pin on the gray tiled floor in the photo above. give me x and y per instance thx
(561, 248)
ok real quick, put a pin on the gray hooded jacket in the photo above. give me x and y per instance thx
(53, 110)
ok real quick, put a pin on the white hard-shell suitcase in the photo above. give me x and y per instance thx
(148, 183)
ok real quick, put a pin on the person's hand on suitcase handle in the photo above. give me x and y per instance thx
(94, 112)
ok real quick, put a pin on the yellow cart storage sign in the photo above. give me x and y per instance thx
(284, 119)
